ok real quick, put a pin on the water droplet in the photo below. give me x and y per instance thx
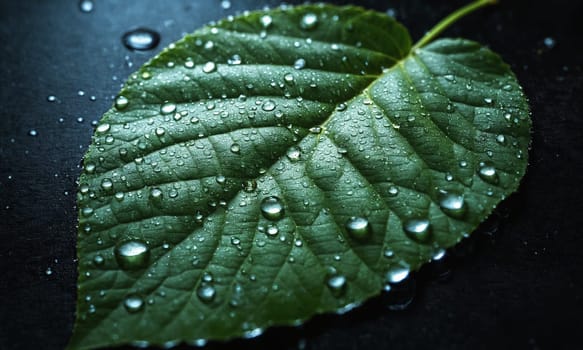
(453, 205)
(358, 227)
(337, 284)
(234, 60)
(106, 184)
(156, 193)
(272, 208)
(488, 100)
(133, 303)
(225, 4)
(119, 196)
(236, 148)
(549, 42)
(388, 253)
(266, 21)
(32, 132)
(121, 102)
(86, 6)
(167, 108)
(98, 260)
(315, 130)
(500, 139)
(268, 105)
(206, 293)
(51, 98)
(398, 274)
(87, 211)
(103, 128)
(393, 191)
(209, 67)
(221, 179)
(439, 254)
(141, 39)
(48, 271)
(272, 230)
(300, 63)
(418, 230)
(160, 131)
(188, 64)
(488, 173)
(309, 21)
(132, 255)
(288, 77)
(294, 154)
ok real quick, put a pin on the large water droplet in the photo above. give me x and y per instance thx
(488, 173)
(121, 102)
(418, 230)
(272, 208)
(141, 39)
(337, 284)
(206, 293)
(133, 303)
(167, 108)
(103, 128)
(268, 105)
(106, 184)
(358, 227)
(132, 255)
(453, 205)
(209, 67)
(309, 21)
(398, 274)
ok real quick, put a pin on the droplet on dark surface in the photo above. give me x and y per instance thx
(86, 6)
(141, 39)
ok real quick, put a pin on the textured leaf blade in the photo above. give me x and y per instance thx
(334, 117)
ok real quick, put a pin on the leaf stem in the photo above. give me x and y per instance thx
(452, 18)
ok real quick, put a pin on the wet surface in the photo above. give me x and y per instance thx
(517, 282)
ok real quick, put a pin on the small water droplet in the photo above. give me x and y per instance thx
(51, 98)
(337, 284)
(418, 229)
(501, 139)
(141, 39)
(397, 274)
(266, 21)
(132, 255)
(188, 64)
(133, 303)
(156, 193)
(221, 179)
(358, 227)
(236, 148)
(300, 63)
(167, 108)
(225, 4)
(48, 271)
(98, 260)
(393, 191)
(119, 196)
(206, 293)
(388, 253)
(294, 154)
(272, 230)
(209, 67)
(160, 131)
(121, 102)
(549, 42)
(32, 132)
(106, 184)
(272, 208)
(87, 211)
(309, 21)
(86, 6)
(453, 205)
(488, 173)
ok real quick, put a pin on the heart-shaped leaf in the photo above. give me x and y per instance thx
(283, 164)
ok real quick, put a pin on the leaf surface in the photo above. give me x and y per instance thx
(283, 164)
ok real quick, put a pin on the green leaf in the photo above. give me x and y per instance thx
(283, 164)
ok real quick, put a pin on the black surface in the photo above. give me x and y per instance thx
(517, 283)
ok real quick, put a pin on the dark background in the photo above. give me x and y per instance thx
(516, 283)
